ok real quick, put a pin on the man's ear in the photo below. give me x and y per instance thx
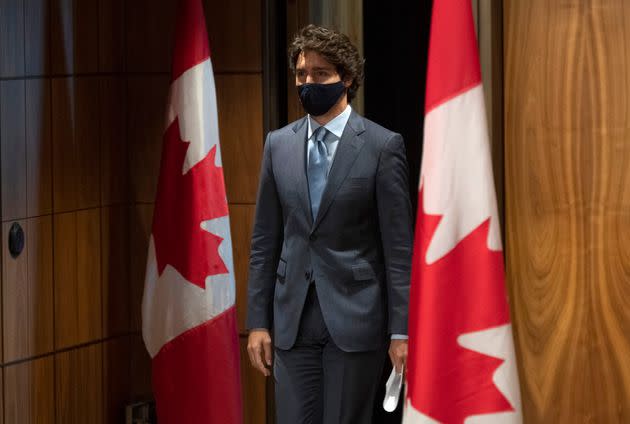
(347, 82)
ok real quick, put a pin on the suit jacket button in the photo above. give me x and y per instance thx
(312, 237)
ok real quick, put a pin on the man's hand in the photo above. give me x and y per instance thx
(398, 354)
(259, 351)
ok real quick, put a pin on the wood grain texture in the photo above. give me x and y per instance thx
(13, 149)
(77, 274)
(82, 160)
(1, 312)
(242, 225)
(147, 96)
(111, 36)
(113, 143)
(14, 284)
(346, 17)
(38, 147)
(297, 17)
(254, 390)
(116, 378)
(79, 385)
(29, 392)
(11, 38)
(239, 100)
(27, 287)
(234, 29)
(2, 396)
(75, 138)
(567, 160)
(140, 376)
(140, 221)
(115, 256)
(26, 148)
(489, 25)
(37, 41)
(150, 35)
(74, 36)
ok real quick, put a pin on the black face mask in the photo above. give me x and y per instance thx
(317, 99)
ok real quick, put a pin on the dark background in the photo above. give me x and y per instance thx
(396, 40)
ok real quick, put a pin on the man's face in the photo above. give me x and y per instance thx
(311, 67)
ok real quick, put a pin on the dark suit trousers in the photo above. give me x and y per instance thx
(318, 383)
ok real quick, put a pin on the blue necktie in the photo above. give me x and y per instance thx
(317, 168)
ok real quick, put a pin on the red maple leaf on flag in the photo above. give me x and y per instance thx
(457, 295)
(183, 202)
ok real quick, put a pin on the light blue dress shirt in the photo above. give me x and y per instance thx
(335, 127)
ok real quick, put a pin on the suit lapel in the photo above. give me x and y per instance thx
(347, 151)
(299, 144)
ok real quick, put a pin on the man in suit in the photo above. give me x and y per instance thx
(331, 247)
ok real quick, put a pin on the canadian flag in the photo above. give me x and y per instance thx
(461, 366)
(188, 313)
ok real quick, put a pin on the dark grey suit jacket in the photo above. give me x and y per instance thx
(358, 249)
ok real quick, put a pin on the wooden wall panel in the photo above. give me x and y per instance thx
(254, 390)
(28, 293)
(115, 254)
(297, 17)
(1, 396)
(74, 36)
(346, 17)
(38, 147)
(11, 38)
(242, 225)
(14, 277)
(79, 385)
(147, 97)
(111, 35)
(149, 35)
(26, 150)
(567, 85)
(77, 278)
(140, 381)
(29, 392)
(14, 280)
(113, 143)
(140, 221)
(81, 136)
(239, 99)
(37, 37)
(116, 372)
(13, 149)
(75, 135)
(235, 35)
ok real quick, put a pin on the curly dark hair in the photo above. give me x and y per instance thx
(335, 47)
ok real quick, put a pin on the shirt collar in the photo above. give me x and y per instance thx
(335, 126)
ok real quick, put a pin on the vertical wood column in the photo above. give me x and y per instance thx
(567, 186)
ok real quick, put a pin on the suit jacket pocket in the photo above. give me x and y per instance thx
(363, 271)
(282, 270)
